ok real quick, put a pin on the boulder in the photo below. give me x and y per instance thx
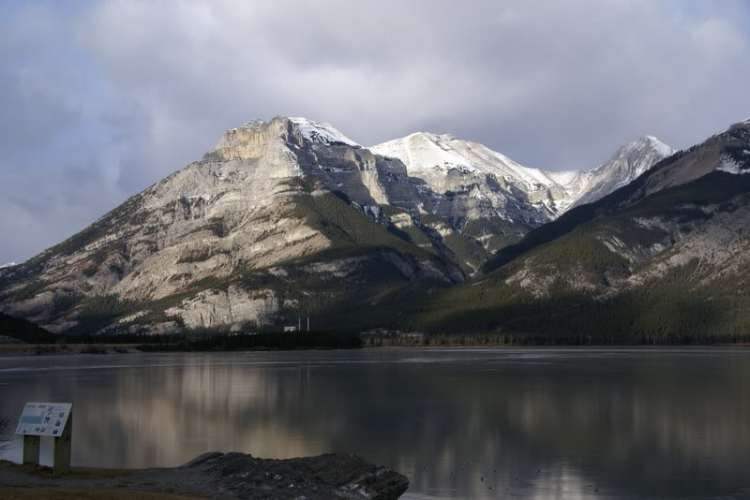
(325, 477)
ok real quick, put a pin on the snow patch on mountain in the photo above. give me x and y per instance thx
(9, 264)
(323, 133)
(422, 152)
(658, 146)
(565, 177)
(727, 164)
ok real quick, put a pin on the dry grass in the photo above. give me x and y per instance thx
(118, 485)
(14, 348)
(75, 472)
(6, 426)
(123, 493)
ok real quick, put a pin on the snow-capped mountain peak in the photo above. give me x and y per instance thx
(659, 146)
(431, 157)
(423, 172)
(422, 152)
(629, 162)
(272, 192)
(320, 132)
(645, 142)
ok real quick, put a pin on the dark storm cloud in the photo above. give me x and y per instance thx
(105, 98)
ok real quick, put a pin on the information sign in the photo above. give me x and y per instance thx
(44, 419)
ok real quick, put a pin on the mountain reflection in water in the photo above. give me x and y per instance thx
(547, 423)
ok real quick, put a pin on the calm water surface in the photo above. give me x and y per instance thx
(544, 423)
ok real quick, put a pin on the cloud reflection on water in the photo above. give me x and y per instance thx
(666, 424)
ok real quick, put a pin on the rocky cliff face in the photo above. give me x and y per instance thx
(229, 240)
(291, 218)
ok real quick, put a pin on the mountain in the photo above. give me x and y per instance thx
(291, 218)
(473, 183)
(627, 164)
(9, 264)
(664, 259)
(280, 219)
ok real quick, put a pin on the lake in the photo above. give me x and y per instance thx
(459, 423)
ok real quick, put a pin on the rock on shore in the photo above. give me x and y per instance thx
(323, 477)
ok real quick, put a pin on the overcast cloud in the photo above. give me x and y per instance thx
(101, 99)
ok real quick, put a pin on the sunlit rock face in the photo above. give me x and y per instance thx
(190, 250)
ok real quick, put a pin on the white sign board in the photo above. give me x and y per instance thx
(43, 419)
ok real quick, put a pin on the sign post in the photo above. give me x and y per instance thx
(47, 419)
(63, 448)
(31, 450)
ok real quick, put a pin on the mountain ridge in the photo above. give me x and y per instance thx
(661, 260)
(566, 188)
(281, 218)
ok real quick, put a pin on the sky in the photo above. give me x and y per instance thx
(100, 99)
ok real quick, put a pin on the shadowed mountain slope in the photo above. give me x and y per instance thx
(664, 259)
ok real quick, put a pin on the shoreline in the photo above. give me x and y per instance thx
(567, 346)
(32, 350)
(212, 475)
